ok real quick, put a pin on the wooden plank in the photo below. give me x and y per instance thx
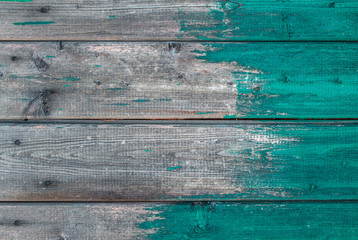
(173, 80)
(179, 161)
(179, 221)
(181, 19)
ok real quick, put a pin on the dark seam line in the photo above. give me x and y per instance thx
(186, 122)
(187, 201)
(186, 41)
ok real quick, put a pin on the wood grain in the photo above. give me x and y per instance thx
(178, 221)
(179, 161)
(181, 19)
(178, 80)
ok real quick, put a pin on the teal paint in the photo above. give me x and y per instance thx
(141, 100)
(34, 23)
(98, 65)
(249, 20)
(50, 56)
(283, 85)
(60, 109)
(147, 150)
(116, 89)
(58, 127)
(230, 220)
(71, 79)
(2, 65)
(112, 16)
(201, 113)
(174, 168)
(117, 104)
(67, 85)
(178, 84)
(164, 99)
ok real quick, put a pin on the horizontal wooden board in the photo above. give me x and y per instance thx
(178, 161)
(181, 19)
(178, 80)
(179, 221)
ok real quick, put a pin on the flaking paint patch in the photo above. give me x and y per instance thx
(136, 214)
(222, 12)
(218, 56)
(141, 100)
(202, 113)
(34, 23)
(174, 168)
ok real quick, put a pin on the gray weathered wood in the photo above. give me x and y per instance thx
(178, 161)
(156, 221)
(180, 19)
(171, 80)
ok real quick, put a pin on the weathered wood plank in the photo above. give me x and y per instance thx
(172, 80)
(181, 19)
(178, 161)
(179, 221)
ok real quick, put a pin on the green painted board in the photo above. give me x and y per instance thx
(246, 20)
(179, 161)
(165, 221)
(178, 80)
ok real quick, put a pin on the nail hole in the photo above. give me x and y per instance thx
(332, 5)
(14, 58)
(313, 187)
(174, 47)
(17, 142)
(60, 45)
(44, 9)
(48, 183)
(17, 222)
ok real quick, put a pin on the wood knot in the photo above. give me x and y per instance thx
(332, 5)
(41, 64)
(337, 81)
(230, 6)
(39, 106)
(17, 142)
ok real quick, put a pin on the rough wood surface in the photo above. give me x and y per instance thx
(173, 80)
(178, 161)
(179, 221)
(180, 19)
